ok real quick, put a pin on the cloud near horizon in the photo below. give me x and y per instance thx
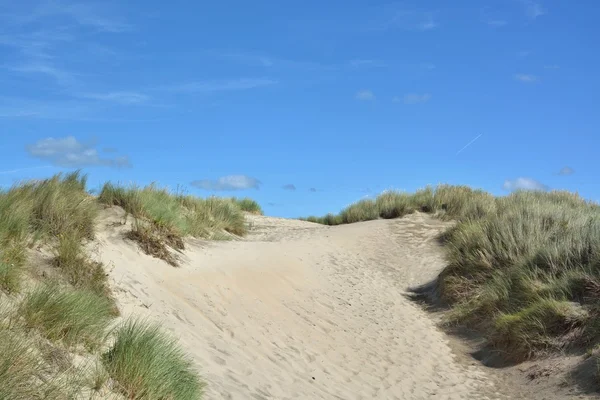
(526, 78)
(566, 170)
(523, 184)
(365, 95)
(414, 98)
(219, 86)
(228, 183)
(70, 153)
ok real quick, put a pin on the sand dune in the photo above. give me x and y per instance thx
(301, 311)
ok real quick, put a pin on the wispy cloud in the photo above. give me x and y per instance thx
(219, 86)
(552, 66)
(365, 95)
(533, 9)
(14, 171)
(62, 77)
(414, 98)
(564, 171)
(526, 78)
(69, 152)
(312, 190)
(94, 15)
(363, 63)
(11, 107)
(497, 22)
(273, 62)
(117, 97)
(289, 186)
(393, 17)
(228, 183)
(524, 184)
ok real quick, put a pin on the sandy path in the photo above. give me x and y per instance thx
(301, 311)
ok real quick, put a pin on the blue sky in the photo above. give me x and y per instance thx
(304, 106)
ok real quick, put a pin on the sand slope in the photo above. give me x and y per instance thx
(301, 311)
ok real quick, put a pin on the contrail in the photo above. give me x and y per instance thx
(470, 143)
(13, 171)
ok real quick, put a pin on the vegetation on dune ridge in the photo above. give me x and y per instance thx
(523, 269)
(72, 309)
(163, 218)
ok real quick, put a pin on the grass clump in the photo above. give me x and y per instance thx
(248, 205)
(514, 273)
(72, 316)
(78, 268)
(364, 210)
(148, 364)
(19, 367)
(46, 209)
(523, 269)
(168, 217)
(392, 204)
(151, 242)
(537, 327)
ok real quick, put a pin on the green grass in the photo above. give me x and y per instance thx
(78, 268)
(148, 364)
(19, 367)
(10, 277)
(523, 269)
(172, 216)
(70, 316)
(248, 205)
(46, 209)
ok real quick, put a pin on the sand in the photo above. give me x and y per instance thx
(301, 311)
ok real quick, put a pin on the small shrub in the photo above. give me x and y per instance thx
(19, 367)
(72, 316)
(60, 204)
(534, 327)
(364, 210)
(248, 205)
(178, 215)
(127, 198)
(423, 200)
(393, 204)
(79, 270)
(151, 243)
(10, 277)
(148, 364)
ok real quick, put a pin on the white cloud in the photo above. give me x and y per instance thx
(497, 22)
(61, 77)
(118, 97)
(526, 78)
(415, 20)
(566, 171)
(366, 63)
(365, 95)
(523, 184)
(533, 9)
(427, 25)
(93, 15)
(219, 86)
(414, 98)
(69, 152)
(230, 182)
